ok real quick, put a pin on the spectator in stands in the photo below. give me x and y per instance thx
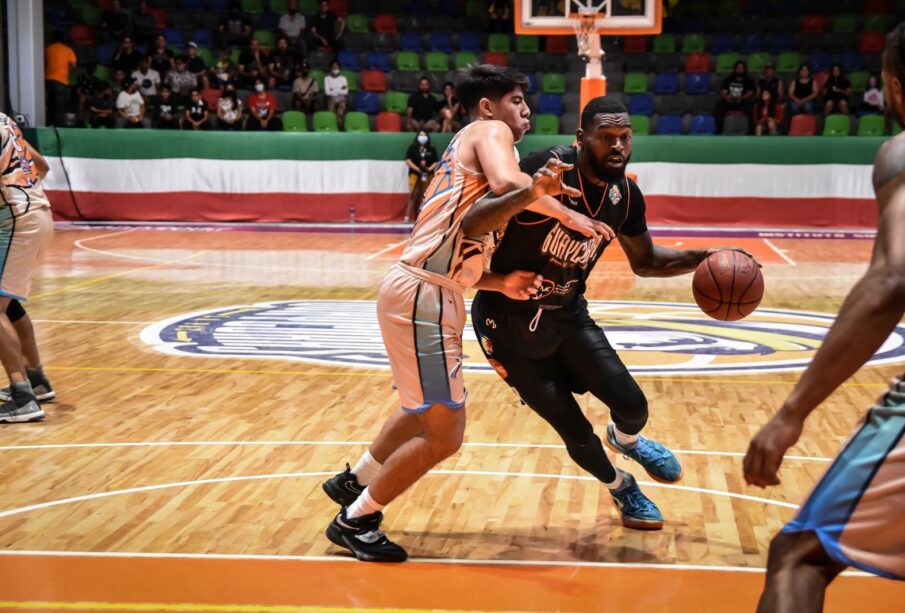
(872, 103)
(262, 109)
(161, 56)
(450, 109)
(148, 79)
(771, 82)
(86, 88)
(115, 22)
(423, 109)
(182, 81)
(101, 109)
(765, 113)
(116, 82)
(59, 61)
(223, 71)
(736, 94)
(197, 113)
(144, 26)
(195, 65)
(167, 117)
(304, 90)
(235, 28)
(421, 159)
(281, 65)
(836, 91)
(130, 106)
(127, 57)
(499, 12)
(803, 92)
(251, 65)
(229, 109)
(292, 26)
(336, 88)
(327, 28)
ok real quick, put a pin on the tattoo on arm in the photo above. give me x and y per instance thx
(493, 212)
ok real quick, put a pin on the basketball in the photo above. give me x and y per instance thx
(728, 285)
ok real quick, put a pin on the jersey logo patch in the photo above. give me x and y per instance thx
(615, 195)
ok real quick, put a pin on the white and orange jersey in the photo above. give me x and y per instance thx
(436, 244)
(19, 181)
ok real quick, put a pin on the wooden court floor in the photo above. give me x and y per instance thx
(164, 482)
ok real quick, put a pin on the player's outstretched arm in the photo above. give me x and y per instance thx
(650, 260)
(587, 226)
(868, 315)
(518, 284)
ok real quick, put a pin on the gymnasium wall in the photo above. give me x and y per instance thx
(149, 175)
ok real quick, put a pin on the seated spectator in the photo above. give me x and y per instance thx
(101, 109)
(223, 71)
(115, 22)
(770, 81)
(836, 91)
(292, 26)
(262, 109)
(130, 106)
(324, 31)
(229, 109)
(181, 81)
(281, 65)
(161, 56)
(873, 96)
(195, 65)
(304, 90)
(144, 26)
(148, 79)
(421, 159)
(86, 88)
(127, 57)
(422, 112)
(451, 111)
(251, 65)
(235, 28)
(167, 115)
(119, 77)
(197, 113)
(736, 94)
(765, 114)
(336, 88)
(803, 92)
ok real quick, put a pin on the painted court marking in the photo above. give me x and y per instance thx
(386, 249)
(783, 253)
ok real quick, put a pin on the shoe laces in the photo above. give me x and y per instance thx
(654, 451)
(638, 500)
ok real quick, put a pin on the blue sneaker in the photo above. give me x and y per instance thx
(657, 460)
(637, 510)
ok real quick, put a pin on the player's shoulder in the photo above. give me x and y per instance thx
(632, 184)
(889, 163)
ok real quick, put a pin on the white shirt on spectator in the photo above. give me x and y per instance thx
(130, 102)
(336, 86)
(151, 76)
(290, 26)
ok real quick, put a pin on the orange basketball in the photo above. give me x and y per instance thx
(728, 285)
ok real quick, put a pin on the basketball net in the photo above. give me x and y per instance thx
(593, 84)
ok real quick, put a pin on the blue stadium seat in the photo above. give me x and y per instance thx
(852, 61)
(470, 41)
(821, 61)
(441, 41)
(174, 37)
(220, 6)
(411, 41)
(669, 125)
(367, 102)
(641, 104)
(59, 15)
(378, 60)
(350, 60)
(196, 6)
(550, 104)
(105, 53)
(722, 42)
(268, 21)
(697, 83)
(532, 82)
(695, 25)
(666, 83)
(752, 43)
(203, 37)
(702, 125)
(782, 42)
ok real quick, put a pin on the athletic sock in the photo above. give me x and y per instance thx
(617, 482)
(22, 392)
(626, 440)
(367, 468)
(363, 505)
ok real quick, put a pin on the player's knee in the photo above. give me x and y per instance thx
(631, 411)
(582, 445)
(790, 550)
(445, 444)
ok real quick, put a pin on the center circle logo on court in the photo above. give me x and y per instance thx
(653, 338)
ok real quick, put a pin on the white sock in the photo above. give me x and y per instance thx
(367, 468)
(363, 505)
(616, 483)
(626, 440)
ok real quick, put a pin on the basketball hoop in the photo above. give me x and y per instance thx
(587, 31)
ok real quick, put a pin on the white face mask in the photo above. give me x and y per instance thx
(422, 139)
(259, 87)
(335, 72)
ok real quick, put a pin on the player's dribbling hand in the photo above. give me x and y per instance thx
(587, 227)
(521, 284)
(547, 181)
(713, 250)
(767, 448)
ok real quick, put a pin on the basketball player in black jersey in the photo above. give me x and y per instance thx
(548, 348)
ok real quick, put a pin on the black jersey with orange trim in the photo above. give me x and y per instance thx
(562, 256)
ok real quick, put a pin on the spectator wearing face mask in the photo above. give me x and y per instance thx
(304, 91)
(262, 110)
(336, 88)
(229, 109)
(421, 159)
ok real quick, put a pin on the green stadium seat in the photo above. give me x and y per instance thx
(527, 44)
(294, 121)
(205, 54)
(553, 83)
(842, 23)
(858, 80)
(664, 43)
(102, 72)
(325, 121)
(407, 61)
(357, 23)
(640, 125)
(267, 38)
(357, 122)
(436, 61)
(352, 78)
(546, 124)
(396, 102)
(91, 15)
(319, 76)
(788, 62)
(693, 43)
(476, 8)
(725, 62)
(465, 58)
(278, 6)
(308, 7)
(498, 43)
(756, 62)
(837, 125)
(253, 6)
(872, 125)
(635, 83)
(872, 23)
(234, 54)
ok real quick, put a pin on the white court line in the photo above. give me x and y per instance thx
(89, 321)
(735, 454)
(386, 249)
(780, 252)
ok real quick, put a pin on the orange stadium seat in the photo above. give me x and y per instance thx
(803, 125)
(389, 122)
(385, 24)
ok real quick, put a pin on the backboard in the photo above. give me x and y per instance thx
(619, 17)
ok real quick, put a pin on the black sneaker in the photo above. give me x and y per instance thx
(21, 407)
(362, 536)
(343, 489)
(39, 383)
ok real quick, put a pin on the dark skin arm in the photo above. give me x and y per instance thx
(868, 315)
(650, 260)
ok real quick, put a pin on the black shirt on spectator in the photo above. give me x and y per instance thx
(196, 64)
(127, 62)
(771, 85)
(325, 25)
(197, 110)
(161, 61)
(235, 24)
(424, 106)
(422, 156)
(737, 86)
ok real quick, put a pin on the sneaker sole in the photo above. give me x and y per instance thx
(23, 419)
(640, 524)
(336, 536)
(46, 397)
(614, 449)
(340, 497)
